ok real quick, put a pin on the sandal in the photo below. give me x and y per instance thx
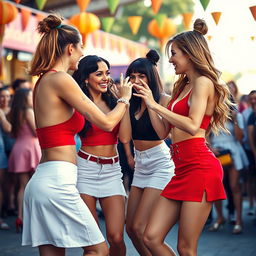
(216, 226)
(4, 226)
(237, 229)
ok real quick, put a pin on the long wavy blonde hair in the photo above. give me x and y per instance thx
(195, 46)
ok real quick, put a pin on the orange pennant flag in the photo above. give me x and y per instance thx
(253, 11)
(82, 4)
(155, 5)
(134, 23)
(187, 17)
(25, 16)
(216, 17)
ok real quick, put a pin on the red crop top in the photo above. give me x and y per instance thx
(181, 107)
(60, 134)
(96, 136)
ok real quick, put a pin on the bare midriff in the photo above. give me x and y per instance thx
(142, 145)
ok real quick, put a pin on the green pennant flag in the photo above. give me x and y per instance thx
(204, 3)
(40, 4)
(112, 5)
(107, 23)
(160, 18)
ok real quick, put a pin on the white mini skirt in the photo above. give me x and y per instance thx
(154, 167)
(53, 211)
(99, 180)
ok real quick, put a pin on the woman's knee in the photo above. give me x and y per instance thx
(99, 249)
(115, 238)
(185, 249)
(150, 240)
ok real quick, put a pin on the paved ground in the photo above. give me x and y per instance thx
(221, 243)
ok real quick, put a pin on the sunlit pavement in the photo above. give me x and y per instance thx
(221, 243)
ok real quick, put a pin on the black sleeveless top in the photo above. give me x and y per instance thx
(142, 129)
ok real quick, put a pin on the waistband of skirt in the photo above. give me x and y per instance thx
(64, 165)
(153, 149)
(193, 141)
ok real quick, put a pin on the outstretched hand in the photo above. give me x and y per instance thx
(143, 91)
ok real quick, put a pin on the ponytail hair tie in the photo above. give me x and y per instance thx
(59, 26)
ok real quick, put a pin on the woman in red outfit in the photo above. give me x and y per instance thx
(199, 104)
(55, 216)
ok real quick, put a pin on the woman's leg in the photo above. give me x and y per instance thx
(50, 250)
(163, 217)
(23, 180)
(114, 211)
(140, 218)
(236, 191)
(96, 250)
(193, 216)
(90, 201)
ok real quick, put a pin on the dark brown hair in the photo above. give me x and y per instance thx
(55, 37)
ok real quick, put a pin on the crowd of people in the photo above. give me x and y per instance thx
(53, 185)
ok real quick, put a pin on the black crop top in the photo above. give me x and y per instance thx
(142, 129)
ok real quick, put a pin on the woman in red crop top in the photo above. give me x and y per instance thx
(99, 171)
(55, 216)
(199, 104)
(153, 164)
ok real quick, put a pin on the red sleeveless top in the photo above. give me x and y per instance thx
(61, 134)
(96, 136)
(181, 107)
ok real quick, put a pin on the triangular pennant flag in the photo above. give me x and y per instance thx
(216, 17)
(134, 23)
(253, 11)
(187, 17)
(252, 38)
(155, 5)
(25, 16)
(107, 23)
(83, 4)
(204, 3)
(40, 4)
(112, 5)
(160, 18)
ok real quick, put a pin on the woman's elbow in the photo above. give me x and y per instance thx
(125, 139)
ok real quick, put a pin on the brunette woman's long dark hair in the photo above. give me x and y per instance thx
(88, 65)
(18, 110)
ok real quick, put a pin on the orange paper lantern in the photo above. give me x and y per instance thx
(8, 12)
(134, 23)
(216, 17)
(83, 4)
(187, 17)
(155, 5)
(86, 23)
(167, 30)
(25, 16)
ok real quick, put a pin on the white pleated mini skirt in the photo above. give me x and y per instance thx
(154, 167)
(99, 180)
(53, 211)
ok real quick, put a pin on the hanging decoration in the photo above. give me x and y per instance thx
(253, 11)
(83, 4)
(17, 1)
(187, 18)
(209, 37)
(40, 17)
(112, 5)
(8, 12)
(25, 16)
(167, 30)
(134, 23)
(252, 38)
(86, 23)
(204, 3)
(160, 18)
(216, 17)
(41, 4)
(107, 23)
(155, 5)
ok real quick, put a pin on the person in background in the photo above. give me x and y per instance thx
(20, 83)
(200, 103)
(153, 164)
(99, 171)
(55, 216)
(26, 153)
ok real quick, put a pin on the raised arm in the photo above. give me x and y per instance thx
(199, 99)
(4, 122)
(68, 90)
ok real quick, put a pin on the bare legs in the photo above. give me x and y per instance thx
(140, 205)
(114, 211)
(192, 217)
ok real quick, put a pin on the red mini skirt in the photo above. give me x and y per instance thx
(197, 170)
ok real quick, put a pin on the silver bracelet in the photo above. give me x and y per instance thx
(123, 100)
